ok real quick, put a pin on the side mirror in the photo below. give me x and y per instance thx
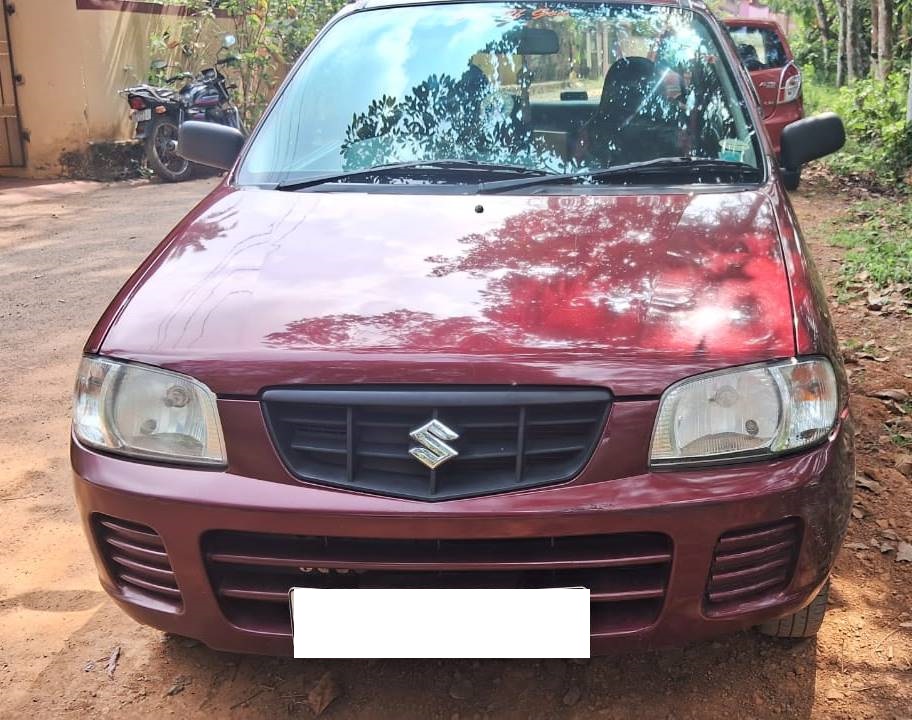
(229, 40)
(811, 139)
(158, 64)
(209, 144)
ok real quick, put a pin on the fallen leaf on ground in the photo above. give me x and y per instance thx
(322, 694)
(180, 683)
(112, 662)
(572, 696)
(896, 394)
(903, 463)
(869, 484)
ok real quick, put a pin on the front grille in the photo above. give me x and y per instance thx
(252, 574)
(136, 560)
(508, 438)
(753, 563)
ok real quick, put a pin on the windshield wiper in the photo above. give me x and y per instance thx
(678, 166)
(392, 168)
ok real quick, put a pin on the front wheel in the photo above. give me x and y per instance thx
(161, 151)
(802, 624)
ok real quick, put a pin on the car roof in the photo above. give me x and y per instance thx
(753, 22)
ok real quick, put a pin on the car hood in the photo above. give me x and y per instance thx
(630, 291)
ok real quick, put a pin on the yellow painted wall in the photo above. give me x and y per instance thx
(74, 62)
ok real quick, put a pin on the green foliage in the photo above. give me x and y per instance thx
(879, 146)
(879, 238)
(808, 48)
(188, 47)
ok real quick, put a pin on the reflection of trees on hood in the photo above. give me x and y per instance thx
(445, 118)
(638, 273)
(208, 227)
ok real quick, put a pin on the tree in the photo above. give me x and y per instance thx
(882, 36)
(851, 40)
(841, 52)
(909, 101)
(823, 25)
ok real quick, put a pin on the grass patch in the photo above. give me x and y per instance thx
(819, 98)
(878, 236)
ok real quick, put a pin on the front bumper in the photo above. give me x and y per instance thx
(693, 508)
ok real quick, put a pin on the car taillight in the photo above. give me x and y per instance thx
(137, 103)
(790, 86)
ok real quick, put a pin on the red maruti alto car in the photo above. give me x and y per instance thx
(497, 295)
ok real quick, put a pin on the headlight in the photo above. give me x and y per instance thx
(146, 412)
(753, 411)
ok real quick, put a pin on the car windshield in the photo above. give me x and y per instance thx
(484, 89)
(760, 48)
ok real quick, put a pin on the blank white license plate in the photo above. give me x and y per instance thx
(428, 623)
(142, 115)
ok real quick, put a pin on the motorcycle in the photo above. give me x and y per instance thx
(159, 111)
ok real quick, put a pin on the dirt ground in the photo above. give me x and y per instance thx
(65, 249)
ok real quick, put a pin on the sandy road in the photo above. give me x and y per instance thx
(64, 250)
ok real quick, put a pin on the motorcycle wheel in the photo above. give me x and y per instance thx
(161, 153)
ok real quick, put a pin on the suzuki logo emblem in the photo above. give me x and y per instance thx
(432, 438)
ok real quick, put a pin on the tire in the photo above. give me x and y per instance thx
(161, 138)
(792, 178)
(804, 623)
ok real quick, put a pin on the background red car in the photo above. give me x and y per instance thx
(766, 55)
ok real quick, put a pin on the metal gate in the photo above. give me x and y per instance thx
(11, 152)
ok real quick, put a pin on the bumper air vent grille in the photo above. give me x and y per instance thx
(251, 574)
(137, 562)
(753, 563)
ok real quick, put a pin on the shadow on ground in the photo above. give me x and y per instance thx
(743, 676)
